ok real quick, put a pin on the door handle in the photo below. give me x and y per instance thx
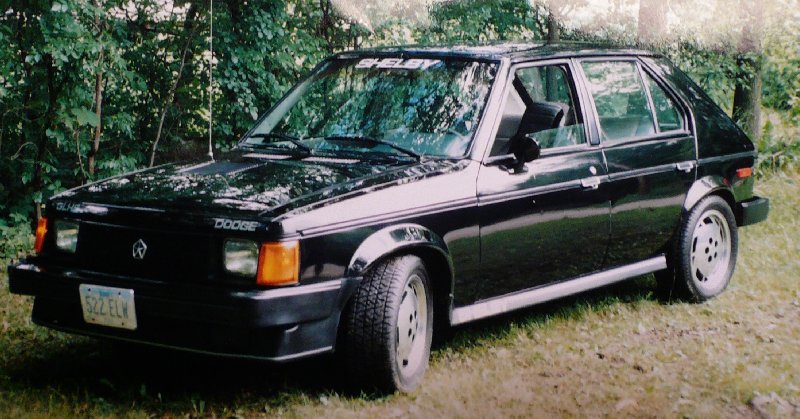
(590, 183)
(685, 166)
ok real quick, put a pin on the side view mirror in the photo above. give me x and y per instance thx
(525, 149)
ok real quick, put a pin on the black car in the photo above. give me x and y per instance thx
(398, 191)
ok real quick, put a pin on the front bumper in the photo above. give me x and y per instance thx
(752, 211)
(271, 324)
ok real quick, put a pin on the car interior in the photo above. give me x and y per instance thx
(540, 105)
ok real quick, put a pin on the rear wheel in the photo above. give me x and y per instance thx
(704, 256)
(387, 326)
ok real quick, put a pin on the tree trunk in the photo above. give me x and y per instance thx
(747, 94)
(553, 30)
(37, 181)
(326, 23)
(652, 20)
(747, 97)
(98, 100)
(189, 28)
(98, 93)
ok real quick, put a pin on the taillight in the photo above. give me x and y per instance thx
(744, 172)
(41, 231)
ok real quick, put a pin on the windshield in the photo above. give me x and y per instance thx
(412, 107)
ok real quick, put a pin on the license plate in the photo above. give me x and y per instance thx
(108, 306)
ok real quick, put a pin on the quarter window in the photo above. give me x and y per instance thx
(620, 99)
(667, 114)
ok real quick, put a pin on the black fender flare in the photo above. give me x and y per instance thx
(392, 239)
(705, 186)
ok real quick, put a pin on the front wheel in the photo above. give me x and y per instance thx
(704, 257)
(387, 325)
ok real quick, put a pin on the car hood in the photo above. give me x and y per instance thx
(253, 183)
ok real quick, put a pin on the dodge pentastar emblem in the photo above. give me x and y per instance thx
(139, 249)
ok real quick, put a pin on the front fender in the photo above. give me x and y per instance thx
(392, 239)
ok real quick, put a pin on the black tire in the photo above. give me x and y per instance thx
(370, 342)
(703, 257)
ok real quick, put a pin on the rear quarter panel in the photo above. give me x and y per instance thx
(722, 147)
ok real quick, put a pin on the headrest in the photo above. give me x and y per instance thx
(540, 116)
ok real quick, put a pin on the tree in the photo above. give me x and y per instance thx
(553, 30)
(652, 23)
(189, 29)
(747, 93)
(94, 88)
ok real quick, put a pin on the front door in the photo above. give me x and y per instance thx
(549, 220)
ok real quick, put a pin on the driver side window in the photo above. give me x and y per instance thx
(541, 104)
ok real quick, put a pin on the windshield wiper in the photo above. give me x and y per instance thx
(374, 141)
(285, 137)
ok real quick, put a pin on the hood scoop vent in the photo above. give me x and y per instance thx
(219, 168)
(267, 156)
(318, 159)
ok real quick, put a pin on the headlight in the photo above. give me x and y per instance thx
(66, 236)
(241, 257)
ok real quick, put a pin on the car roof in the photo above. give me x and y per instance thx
(513, 51)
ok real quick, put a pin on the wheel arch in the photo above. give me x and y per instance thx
(410, 239)
(706, 186)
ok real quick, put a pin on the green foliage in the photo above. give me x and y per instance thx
(484, 21)
(777, 152)
(715, 71)
(152, 60)
(781, 74)
(17, 239)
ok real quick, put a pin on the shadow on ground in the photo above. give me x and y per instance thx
(121, 376)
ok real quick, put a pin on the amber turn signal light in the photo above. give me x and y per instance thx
(744, 172)
(279, 263)
(41, 230)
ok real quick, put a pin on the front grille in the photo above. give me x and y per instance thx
(169, 256)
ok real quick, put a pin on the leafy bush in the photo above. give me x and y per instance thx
(777, 151)
(16, 240)
(149, 68)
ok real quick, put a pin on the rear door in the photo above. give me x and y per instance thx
(650, 151)
(549, 221)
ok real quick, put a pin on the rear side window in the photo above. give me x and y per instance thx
(667, 114)
(620, 99)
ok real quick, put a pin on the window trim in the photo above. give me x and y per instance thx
(649, 96)
(683, 109)
(500, 63)
(623, 58)
(574, 83)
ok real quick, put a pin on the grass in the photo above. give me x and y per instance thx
(613, 352)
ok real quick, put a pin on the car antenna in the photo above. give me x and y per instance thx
(211, 79)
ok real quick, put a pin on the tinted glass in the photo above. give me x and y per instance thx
(620, 99)
(429, 106)
(550, 90)
(541, 105)
(667, 114)
(548, 83)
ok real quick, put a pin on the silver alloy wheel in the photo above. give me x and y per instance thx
(711, 251)
(412, 326)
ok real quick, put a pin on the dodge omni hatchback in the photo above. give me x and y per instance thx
(396, 192)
